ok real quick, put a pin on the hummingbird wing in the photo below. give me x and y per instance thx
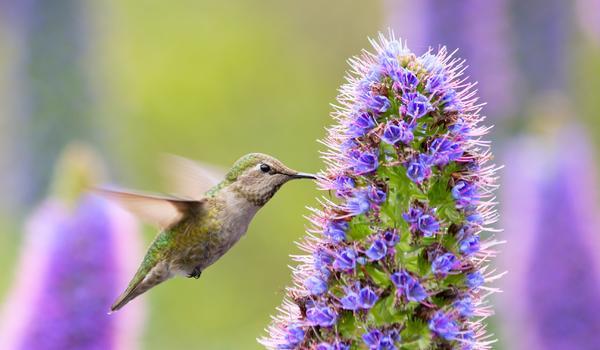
(162, 211)
(189, 178)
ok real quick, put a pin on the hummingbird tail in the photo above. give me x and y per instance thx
(125, 298)
(143, 280)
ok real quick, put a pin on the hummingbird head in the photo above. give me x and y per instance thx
(257, 177)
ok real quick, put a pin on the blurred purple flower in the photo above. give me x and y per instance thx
(78, 253)
(481, 30)
(588, 13)
(550, 195)
(70, 255)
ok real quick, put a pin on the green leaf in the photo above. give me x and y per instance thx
(439, 193)
(450, 212)
(416, 335)
(423, 266)
(404, 246)
(384, 312)
(380, 277)
(358, 228)
(347, 325)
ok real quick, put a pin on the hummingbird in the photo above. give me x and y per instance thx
(199, 228)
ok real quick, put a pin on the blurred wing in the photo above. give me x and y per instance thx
(162, 211)
(189, 178)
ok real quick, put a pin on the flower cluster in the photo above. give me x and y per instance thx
(397, 260)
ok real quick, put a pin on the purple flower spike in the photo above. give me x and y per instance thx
(465, 194)
(334, 346)
(444, 326)
(377, 250)
(294, 336)
(391, 238)
(377, 340)
(361, 125)
(367, 298)
(460, 129)
(343, 185)
(464, 307)
(336, 230)
(376, 195)
(315, 285)
(474, 218)
(475, 280)
(346, 260)
(372, 338)
(395, 133)
(419, 169)
(469, 245)
(444, 151)
(407, 80)
(400, 246)
(444, 264)
(428, 225)
(417, 105)
(324, 346)
(321, 315)
(450, 101)
(413, 215)
(359, 204)
(435, 83)
(432, 63)
(408, 286)
(79, 251)
(377, 104)
(364, 163)
(387, 343)
(351, 301)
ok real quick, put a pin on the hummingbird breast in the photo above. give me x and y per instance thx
(215, 232)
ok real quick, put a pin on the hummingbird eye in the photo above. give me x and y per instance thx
(265, 168)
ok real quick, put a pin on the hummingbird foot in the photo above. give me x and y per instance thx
(196, 272)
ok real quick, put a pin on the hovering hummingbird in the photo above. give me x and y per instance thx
(197, 229)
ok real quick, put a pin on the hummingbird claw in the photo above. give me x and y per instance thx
(196, 272)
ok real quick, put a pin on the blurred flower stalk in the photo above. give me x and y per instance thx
(479, 30)
(550, 212)
(398, 261)
(78, 252)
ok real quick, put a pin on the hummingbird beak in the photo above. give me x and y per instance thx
(304, 176)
